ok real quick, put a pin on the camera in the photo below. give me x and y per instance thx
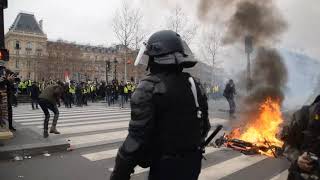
(314, 175)
(315, 161)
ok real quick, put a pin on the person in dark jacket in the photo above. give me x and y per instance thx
(34, 94)
(168, 123)
(229, 93)
(48, 101)
(109, 94)
(7, 88)
(302, 142)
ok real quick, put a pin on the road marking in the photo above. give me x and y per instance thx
(101, 155)
(75, 122)
(84, 119)
(97, 156)
(228, 167)
(282, 176)
(94, 127)
(74, 115)
(80, 140)
(61, 118)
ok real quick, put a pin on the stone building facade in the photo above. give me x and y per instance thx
(36, 58)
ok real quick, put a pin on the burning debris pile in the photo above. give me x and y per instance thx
(258, 136)
(261, 117)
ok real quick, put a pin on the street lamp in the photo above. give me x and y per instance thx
(249, 50)
(115, 68)
(107, 69)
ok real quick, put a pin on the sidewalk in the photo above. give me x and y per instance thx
(27, 142)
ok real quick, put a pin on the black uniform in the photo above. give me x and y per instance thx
(303, 135)
(34, 93)
(165, 132)
(229, 93)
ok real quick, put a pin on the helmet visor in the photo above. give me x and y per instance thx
(186, 49)
(141, 57)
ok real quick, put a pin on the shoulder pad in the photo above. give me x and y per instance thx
(152, 78)
(153, 83)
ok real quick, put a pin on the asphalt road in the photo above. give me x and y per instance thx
(97, 131)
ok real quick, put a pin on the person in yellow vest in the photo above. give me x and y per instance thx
(126, 92)
(29, 84)
(129, 86)
(93, 92)
(20, 87)
(72, 93)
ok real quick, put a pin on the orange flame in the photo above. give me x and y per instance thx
(263, 130)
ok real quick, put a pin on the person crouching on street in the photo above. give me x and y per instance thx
(48, 100)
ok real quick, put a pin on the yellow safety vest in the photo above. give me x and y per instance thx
(125, 90)
(72, 90)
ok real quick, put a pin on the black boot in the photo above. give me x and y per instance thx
(11, 128)
(45, 134)
(54, 130)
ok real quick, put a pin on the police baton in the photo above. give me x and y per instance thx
(214, 133)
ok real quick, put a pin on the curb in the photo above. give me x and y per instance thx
(9, 152)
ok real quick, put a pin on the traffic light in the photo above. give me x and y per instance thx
(4, 55)
(4, 4)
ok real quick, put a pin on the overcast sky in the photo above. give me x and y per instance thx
(90, 21)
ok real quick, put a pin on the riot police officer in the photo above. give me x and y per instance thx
(165, 131)
(302, 143)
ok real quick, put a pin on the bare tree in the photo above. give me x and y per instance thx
(140, 35)
(125, 25)
(211, 43)
(179, 22)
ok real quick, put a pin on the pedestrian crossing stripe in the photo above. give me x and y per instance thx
(72, 113)
(81, 141)
(77, 122)
(63, 119)
(282, 176)
(102, 155)
(230, 166)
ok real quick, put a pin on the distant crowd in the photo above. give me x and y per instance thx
(77, 93)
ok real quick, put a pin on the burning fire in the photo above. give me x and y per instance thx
(262, 131)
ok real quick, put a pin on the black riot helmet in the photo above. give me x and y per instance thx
(166, 48)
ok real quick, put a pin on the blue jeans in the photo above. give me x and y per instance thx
(122, 100)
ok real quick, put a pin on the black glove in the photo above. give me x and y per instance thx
(122, 170)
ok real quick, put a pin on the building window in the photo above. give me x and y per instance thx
(17, 45)
(28, 64)
(29, 45)
(17, 63)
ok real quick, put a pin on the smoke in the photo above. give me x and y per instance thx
(206, 7)
(259, 18)
(269, 77)
(262, 20)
